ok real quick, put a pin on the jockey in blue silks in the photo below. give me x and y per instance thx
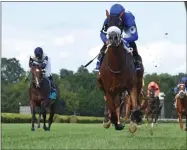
(126, 24)
(182, 81)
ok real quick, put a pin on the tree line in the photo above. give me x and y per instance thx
(78, 90)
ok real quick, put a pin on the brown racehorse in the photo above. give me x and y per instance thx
(152, 108)
(39, 92)
(181, 105)
(118, 74)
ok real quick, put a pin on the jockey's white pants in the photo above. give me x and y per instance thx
(48, 68)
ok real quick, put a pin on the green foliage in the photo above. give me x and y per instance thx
(78, 91)
(26, 118)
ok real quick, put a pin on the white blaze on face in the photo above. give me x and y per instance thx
(37, 82)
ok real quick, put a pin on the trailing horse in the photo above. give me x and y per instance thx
(152, 108)
(181, 105)
(39, 93)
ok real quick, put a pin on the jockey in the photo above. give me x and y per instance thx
(40, 56)
(128, 25)
(182, 81)
(153, 85)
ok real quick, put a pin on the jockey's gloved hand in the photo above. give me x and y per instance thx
(125, 42)
(43, 65)
(107, 42)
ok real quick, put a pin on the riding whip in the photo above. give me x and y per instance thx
(27, 77)
(90, 61)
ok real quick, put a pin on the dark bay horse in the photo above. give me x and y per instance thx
(118, 74)
(152, 109)
(181, 105)
(39, 93)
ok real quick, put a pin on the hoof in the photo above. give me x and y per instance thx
(133, 127)
(119, 127)
(151, 132)
(106, 125)
(136, 116)
(32, 129)
(45, 128)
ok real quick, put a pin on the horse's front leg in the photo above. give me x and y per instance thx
(44, 112)
(39, 118)
(50, 121)
(32, 106)
(119, 126)
(112, 108)
(186, 123)
(180, 120)
(107, 115)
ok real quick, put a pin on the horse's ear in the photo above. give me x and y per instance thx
(107, 14)
(121, 15)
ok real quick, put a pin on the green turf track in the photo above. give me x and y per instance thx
(92, 136)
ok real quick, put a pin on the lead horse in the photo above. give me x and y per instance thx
(118, 74)
(39, 92)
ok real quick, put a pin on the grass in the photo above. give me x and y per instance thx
(92, 136)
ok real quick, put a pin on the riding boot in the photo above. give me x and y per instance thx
(100, 58)
(137, 60)
(52, 84)
(137, 57)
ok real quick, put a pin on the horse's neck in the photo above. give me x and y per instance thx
(116, 57)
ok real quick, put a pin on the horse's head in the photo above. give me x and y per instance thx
(182, 91)
(115, 25)
(37, 74)
(152, 93)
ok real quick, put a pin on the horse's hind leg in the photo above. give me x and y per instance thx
(50, 121)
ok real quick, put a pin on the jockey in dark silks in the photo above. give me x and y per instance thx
(45, 62)
(127, 25)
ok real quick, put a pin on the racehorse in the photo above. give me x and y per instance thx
(39, 92)
(181, 105)
(151, 108)
(118, 74)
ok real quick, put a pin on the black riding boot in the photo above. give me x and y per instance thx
(52, 84)
(137, 57)
(100, 57)
(137, 61)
